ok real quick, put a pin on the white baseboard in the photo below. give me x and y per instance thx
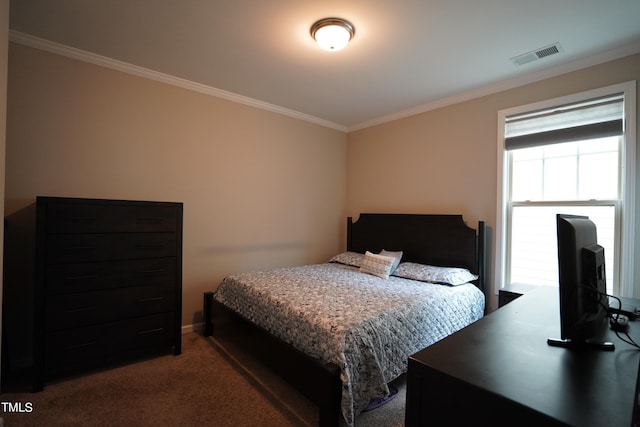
(195, 327)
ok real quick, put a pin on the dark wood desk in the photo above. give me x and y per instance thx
(500, 371)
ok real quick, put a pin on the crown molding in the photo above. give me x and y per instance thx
(82, 55)
(103, 61)
(576, 65)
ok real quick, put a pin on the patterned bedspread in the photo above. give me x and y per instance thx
(366, 325)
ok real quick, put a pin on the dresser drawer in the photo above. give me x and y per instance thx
(83, 277)
(112, 218)
(75, 248)
(91, 346)
(65, 311)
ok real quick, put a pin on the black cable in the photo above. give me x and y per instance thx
(628, 339)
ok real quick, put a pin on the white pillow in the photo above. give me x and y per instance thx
(348, 258)
(452, 276)
(397, 255)
(377, 265)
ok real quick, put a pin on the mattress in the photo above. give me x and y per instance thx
(366, 325)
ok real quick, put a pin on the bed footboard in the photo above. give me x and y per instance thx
(320, 383)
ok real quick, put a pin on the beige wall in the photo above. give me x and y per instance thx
(259, 189)
(444, 161)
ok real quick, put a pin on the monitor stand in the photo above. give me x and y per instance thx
(579, 345)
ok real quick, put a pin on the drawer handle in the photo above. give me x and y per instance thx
(150, 220)
(157, 270)
(80, 346)
(83, 277)
(78, 310)
(83, 219)
(150, 245)
(150, 331)
(151, 299)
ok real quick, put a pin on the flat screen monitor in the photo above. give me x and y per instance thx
(582, 284)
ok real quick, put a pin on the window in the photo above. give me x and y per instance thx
(568, 155)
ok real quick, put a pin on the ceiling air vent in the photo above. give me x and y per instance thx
(543, 52)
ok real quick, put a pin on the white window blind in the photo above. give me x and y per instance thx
(596, 118)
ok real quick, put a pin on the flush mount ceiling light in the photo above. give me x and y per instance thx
(332, 34)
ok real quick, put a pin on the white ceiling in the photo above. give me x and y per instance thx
(406, 55)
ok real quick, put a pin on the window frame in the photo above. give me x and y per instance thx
(625, 234)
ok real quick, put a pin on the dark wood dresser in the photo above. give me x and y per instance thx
(89, 283)
(500, 371)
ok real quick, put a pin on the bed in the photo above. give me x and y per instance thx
(341, 331)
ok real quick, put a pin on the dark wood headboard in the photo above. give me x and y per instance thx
(442, 240)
